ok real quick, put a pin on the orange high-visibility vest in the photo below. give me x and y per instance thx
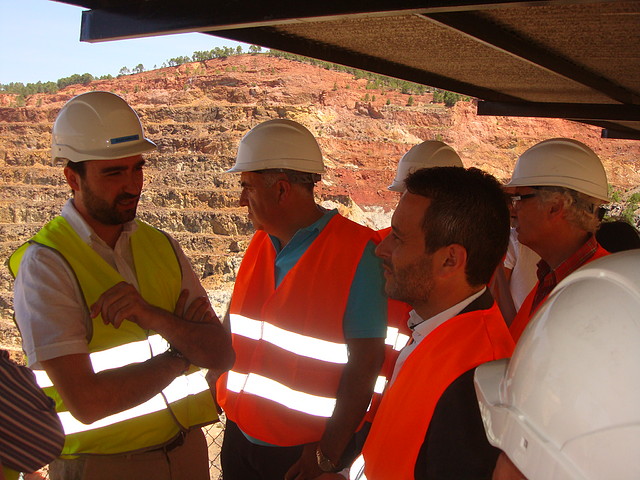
(526, 312)
(289, 341)
(402, 421)
(398, 335)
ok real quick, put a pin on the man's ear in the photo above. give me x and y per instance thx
(555, 207)
(73, 179)
(451, 260)
(283, 189)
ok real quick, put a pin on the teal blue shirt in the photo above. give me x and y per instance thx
(366, 312)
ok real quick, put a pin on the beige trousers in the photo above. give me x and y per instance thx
(189, 461)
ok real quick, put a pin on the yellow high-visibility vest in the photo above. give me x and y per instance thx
(184, 403)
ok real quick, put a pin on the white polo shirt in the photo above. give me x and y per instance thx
(49, 305)
(421, 328)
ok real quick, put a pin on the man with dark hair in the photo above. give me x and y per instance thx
(448, 234)
(471, 214)
(100, 297)
(428, 154)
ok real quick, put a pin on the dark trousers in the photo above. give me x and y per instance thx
(243, 460)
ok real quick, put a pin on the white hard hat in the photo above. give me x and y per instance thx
(97, 126)
(567, 404)
(431, 153)
(279, 143)
(561, 162)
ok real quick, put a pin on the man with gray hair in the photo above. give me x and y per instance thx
(559, 185)
(307, 316)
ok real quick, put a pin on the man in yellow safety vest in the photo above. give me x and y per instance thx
(112, 315)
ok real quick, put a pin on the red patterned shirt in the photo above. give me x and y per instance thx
(548, 278)
(31, 434)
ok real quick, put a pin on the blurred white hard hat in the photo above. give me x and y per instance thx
(431, 153)
(567, 404)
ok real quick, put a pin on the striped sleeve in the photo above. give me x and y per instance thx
(31, 435)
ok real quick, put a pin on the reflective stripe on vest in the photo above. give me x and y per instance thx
(115, 357)
(255, 384)
(289, 341)
(293, 342)
(394, 342)
(402, 421)
(395, 339)
(398, 334)
(152, 423)
(356, 472)
(180, 388)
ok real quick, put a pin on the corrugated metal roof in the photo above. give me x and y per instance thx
(571, 59)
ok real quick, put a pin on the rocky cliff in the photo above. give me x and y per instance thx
(198, 112)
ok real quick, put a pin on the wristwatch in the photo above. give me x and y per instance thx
(175, 353)
(324, 463)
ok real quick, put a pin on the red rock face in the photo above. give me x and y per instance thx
(198, 112)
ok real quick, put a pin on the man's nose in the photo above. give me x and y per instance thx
(133, 185)
(382, 248)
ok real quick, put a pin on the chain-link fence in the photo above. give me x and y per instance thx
(213, 433)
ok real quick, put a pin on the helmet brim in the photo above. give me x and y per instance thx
(112, 153)
(581, 186)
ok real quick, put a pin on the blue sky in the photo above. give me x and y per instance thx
(40, 42)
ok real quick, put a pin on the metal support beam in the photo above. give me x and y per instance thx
(620, 134)
(116, 20)
(575, 111)
(161, 17)
(479, 28)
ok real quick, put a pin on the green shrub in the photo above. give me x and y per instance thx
(614, 194)
(446, 97)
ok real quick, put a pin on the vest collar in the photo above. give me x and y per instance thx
(82, 228)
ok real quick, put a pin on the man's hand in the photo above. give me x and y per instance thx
(123, 302)
(197, 333)
(200, 309)
(306, 467)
